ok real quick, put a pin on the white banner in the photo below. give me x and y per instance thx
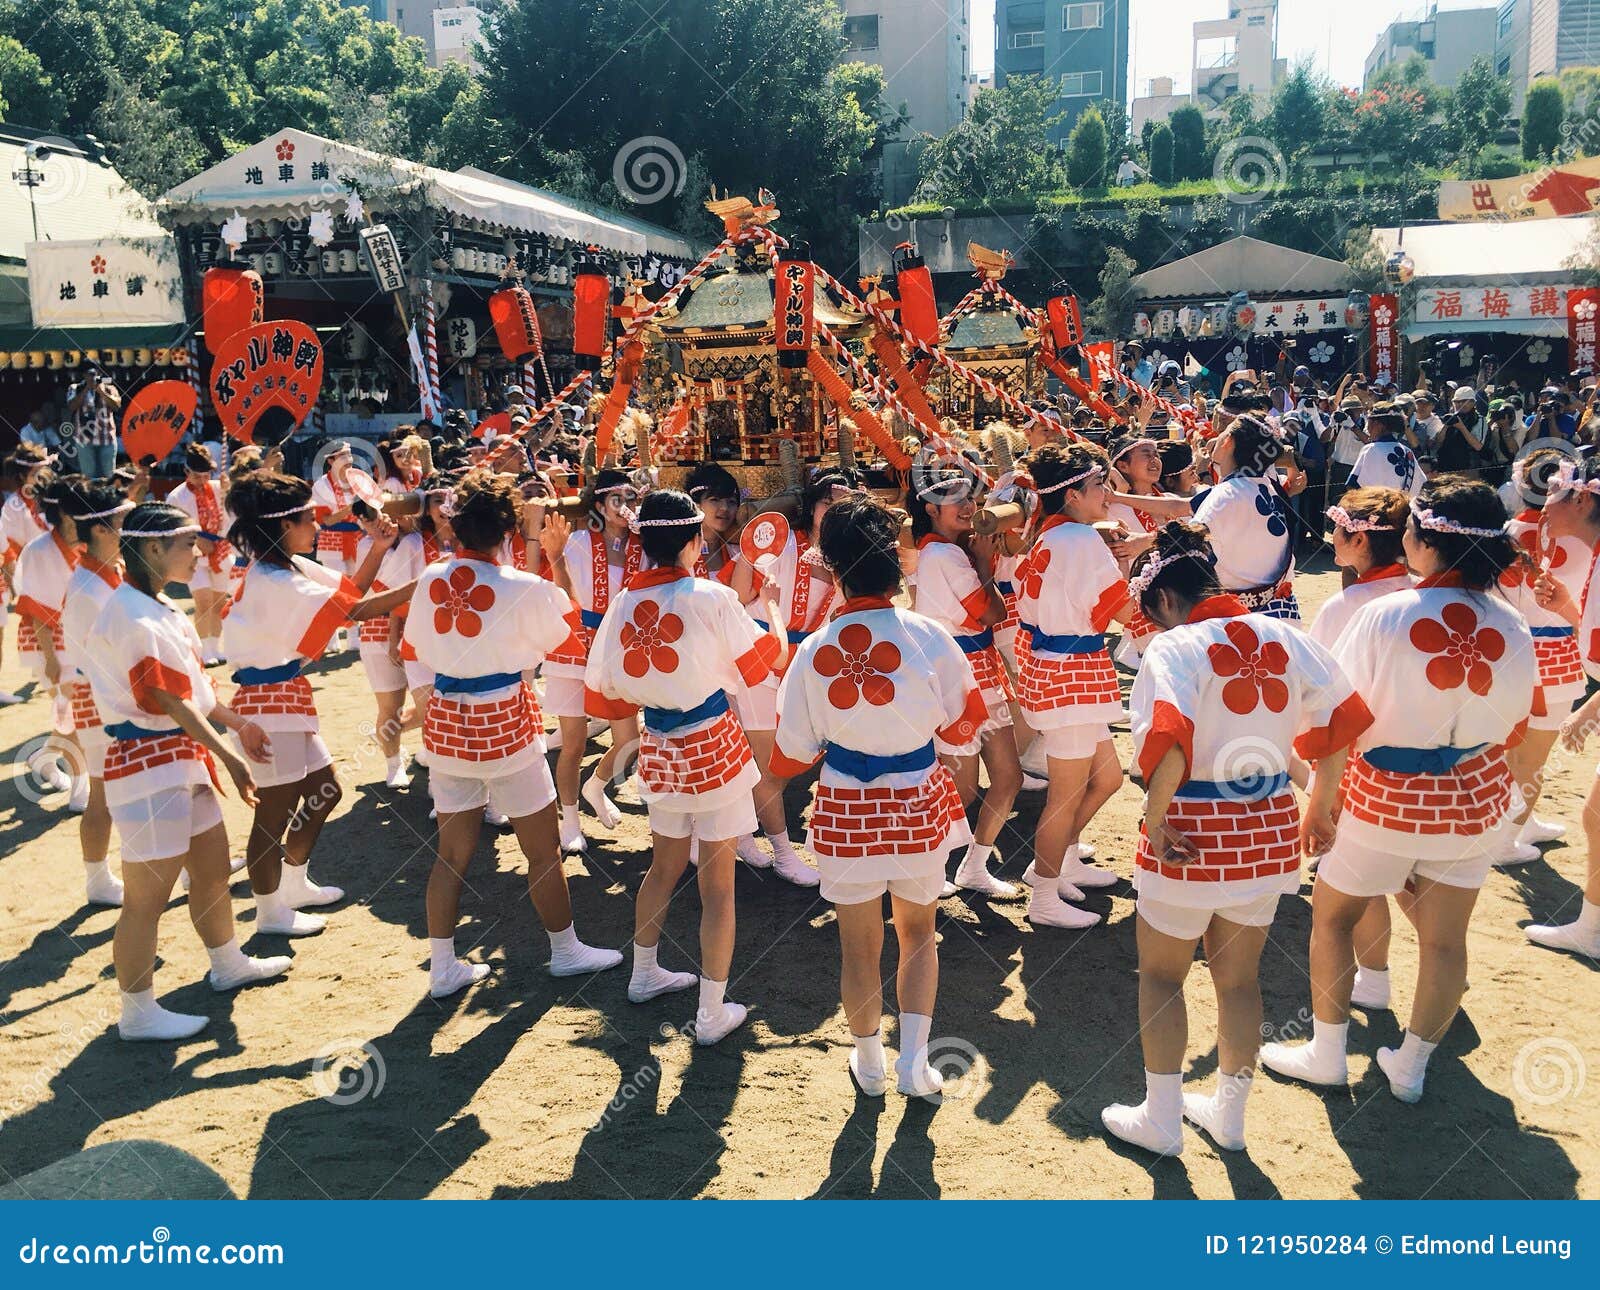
(1489, 304)
(105, 282)
(1295, 317)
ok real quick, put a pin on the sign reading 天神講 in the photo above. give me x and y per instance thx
(383, 256)
(1571, 188)
(1488, 304)
(105, 282)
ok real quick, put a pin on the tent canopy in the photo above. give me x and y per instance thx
(76, 195)
(1244, 264)
(294, 171)
(1489, 254)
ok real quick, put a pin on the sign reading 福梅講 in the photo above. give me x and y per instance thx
(1571, 188)
(383, 258)
(1490, 304)
(1384, 319)
(105, 282)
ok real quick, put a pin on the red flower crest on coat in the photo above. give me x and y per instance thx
(647, 640)
(1030, 573)
(1464, 652)
(861, 667)
(1256, 670)
(460, 601)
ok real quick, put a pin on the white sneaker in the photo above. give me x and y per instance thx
(1046, 908)
(1067, 890)
(872, 1083)
(553, 741)
(1033, 784)
(925, 1083)
(789, 866)
(299, 892)
(249, 972)
(594, 793)
(7, 698)
(1076, 873)
(297, 924)
(457, 977)
(572, 840)
(583, 959)
(1134, 1124)
(1206, 1113)
(749, 850)
(1302, 1062)
(1521, 853)
(708, 1029)
(1537, 830)
(104, 889)
(495, 819)
(1369, 992)
(1565, 936)
(1399, 1081)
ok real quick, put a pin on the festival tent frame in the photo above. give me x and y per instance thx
(1246, 264)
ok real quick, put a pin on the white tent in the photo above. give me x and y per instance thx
(1264, 269)
(294, 173)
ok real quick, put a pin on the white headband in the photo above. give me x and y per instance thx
(121, 508)
(1566, 480)
(1427, 519)
(293, 510)
(161, 533)
(615, 488)
(945, 485)
(1091, 473)
(635, 523)
(1140, 583)
(1350, 524)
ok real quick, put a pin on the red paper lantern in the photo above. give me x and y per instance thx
(919, 313)
(793, 305)
(1066, 326)
(591, 309)
(154, 419)
(516, 324)
(230, 300)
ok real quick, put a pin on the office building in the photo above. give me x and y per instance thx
(1447, 41)
(1535, 38)
(1237, 54)
(1083, 48)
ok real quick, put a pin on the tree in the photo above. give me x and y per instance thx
(1365, 260)
(1000, 152)
(1161, 154)
(1298, 118)
(27, 94)
(1086, 150)
(1188, 143)
(1476, 109)
(1115, 114)
(1112, 313)
(1543, 111)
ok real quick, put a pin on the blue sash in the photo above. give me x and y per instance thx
(1005, 588)
(663, 721)
(976, 644)
(1063, 644)
(795, 635)
(127, 730)
(1252, 788)
(1420, 761)
(343, 526)
(868, 766)
(268, 675)
(590, 619)
(211, 537)
(1550, 633)
(443, 684)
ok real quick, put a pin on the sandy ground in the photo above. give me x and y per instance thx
(345, 1080)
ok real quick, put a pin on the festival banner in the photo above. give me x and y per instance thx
(105, 282)
(793, 320)
(1102, 361)
(1572, 188)
(276, 365)
(1582, 305)
(1490, 304)
(155, 418)
(1385, 320)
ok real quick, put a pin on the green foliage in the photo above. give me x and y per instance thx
(27, 94)
(1365, 260)
(1300, 112)
(1477, 109)
(1189, 159)
(1161, 154)
(1000, 153)
(1086, 150)
(1115, 114)
(1112, 313)
(1543, 111)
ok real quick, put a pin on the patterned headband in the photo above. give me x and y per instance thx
(616, 488)
(635, 523)
(180, 531)
(1140, 582)
(1427, 519)
(1350, 524)
(1094, 472)
(121, 508)
(1129, 447)
(941, 486)
(293, 510)
(1566, 480)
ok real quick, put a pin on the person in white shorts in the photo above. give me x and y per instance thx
(675, 645)
(150, 689)
(200, 498)
(478, 626)
(869, 695)
(1449, 672)
(1223, 700)
(378, 640)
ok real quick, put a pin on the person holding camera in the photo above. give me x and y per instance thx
(1463, 434)
(92, 407)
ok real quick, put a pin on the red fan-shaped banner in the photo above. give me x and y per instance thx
(271, 367)
(155, 418)
(765, 535)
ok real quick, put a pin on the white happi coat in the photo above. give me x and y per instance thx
(1252, 533)
(43, 570)
(139, 645)
(948, 591)
(1068, 591)
(1439, 667)
(1338, 609)
(280, 617)
(21, 521)
(205, 509)
(1555, 640)
(88, 590)
(878, 683)
(401, 563)
(479, 626)
(675, 645)
(1388, 463)
(328, 496)
(1236, 693)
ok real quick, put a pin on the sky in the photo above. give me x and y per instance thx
(1336, 37)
